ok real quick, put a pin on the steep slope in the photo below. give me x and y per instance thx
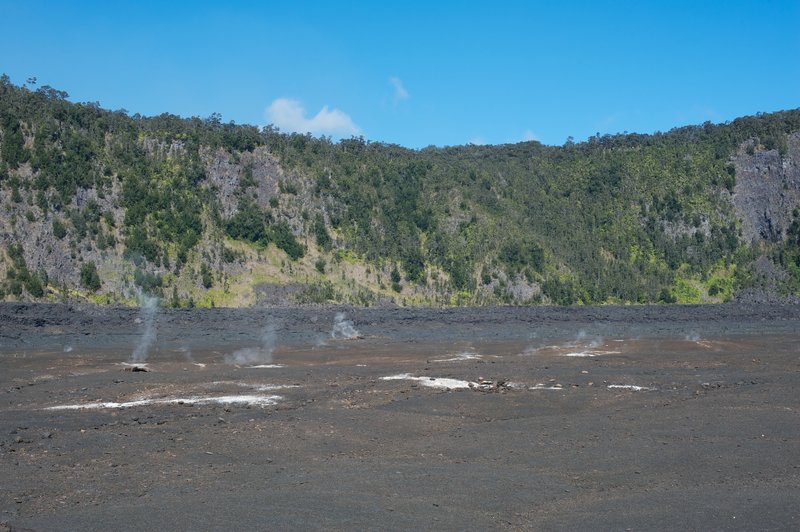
(767, 189)
(101, 205)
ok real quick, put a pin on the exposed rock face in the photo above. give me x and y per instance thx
(58, 260)
(226, 174)
(767, 190)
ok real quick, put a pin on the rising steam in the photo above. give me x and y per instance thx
(148, 307)
(692, 336)
(343, 328)
(257, 355)
(581, 339)
(187, 353)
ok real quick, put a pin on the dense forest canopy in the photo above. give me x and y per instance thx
(98, 202)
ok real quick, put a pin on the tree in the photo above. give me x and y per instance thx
(205, 275)
(284, 238)
(321, 235)
(248, 223)
(89, 277)
(59, 231)
(13, 145)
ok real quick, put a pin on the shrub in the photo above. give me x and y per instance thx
(285, 240)
(321, 235)
(89, 277)
(205, 274)
(59, 230)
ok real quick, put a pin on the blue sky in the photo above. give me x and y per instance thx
(418, 73)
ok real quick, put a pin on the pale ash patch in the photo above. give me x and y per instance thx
(631, 387)
(433, 382)
(555, 387)
(466, 355)
(267, 387)
(254, 400)
(590, 354)
(259, 387)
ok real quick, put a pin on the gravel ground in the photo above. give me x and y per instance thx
(656, 417)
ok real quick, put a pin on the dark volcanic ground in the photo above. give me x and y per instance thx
(521, 418)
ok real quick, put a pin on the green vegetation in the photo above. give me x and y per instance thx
(284, 238)
(618, 218)
(249, 223)
(205, 276)
(321, 235)
(18, 276)
(318, 293)
(150, 283)
(89, 277)
(163, 206)
(788, 256)
(252, 224)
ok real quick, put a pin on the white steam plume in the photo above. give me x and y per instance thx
(148, 307)
(257, 355)
(343, 328)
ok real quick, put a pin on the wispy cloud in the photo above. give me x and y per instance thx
(400, 92)
(477, 141)
(289, 115)
(529, 136)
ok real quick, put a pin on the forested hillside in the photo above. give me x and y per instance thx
(102, 205)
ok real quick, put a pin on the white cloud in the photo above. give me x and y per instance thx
(477, 141)
(400, 92)
(528, 136)
(289, 115)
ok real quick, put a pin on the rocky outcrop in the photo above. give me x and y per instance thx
(767, 189)
(57, 260)
(257, 171)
